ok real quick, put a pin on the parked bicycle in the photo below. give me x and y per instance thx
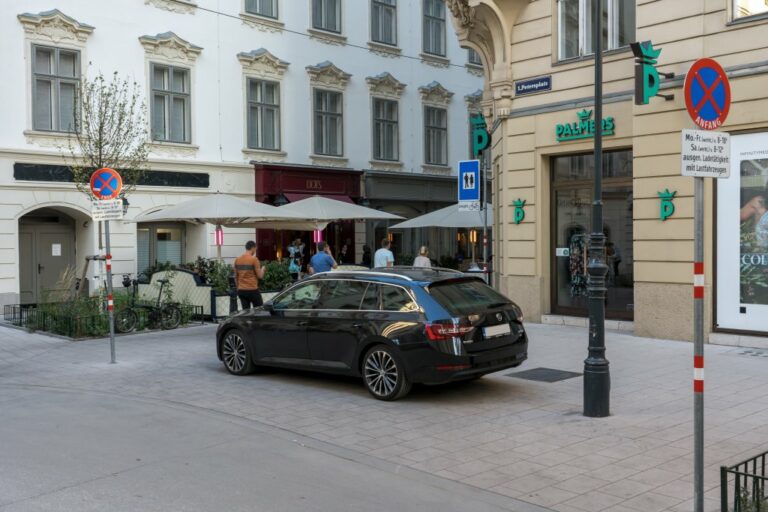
(167, 316)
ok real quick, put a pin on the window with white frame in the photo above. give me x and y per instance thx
(266, 8)
(55, 86)
(385, 130)
(435, 136)
(263, 114)
(170, 109)
(326, 15)
(384, 21)
(746, 8)
(328, 123)
(473, 57)
(434, 27)
(576, 20)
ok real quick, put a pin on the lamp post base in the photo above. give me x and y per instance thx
(597, 388)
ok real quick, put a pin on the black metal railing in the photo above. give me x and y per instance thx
(54, 318)
(747, 480)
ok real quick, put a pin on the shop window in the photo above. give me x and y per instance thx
(170, 104)
(326, 15)
(266, 8)
(384, 21)
(434, 27)
(328, 124)
(746, 8)
(159, 244)
(385, 130)
(575, 26)
(572, 198)
(55, 86)
(435, 136)
(263, 115)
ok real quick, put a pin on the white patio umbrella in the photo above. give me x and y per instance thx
(230, 211)
(324, 210)
(448, 217)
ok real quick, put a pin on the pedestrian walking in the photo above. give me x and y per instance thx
(422, 260)
(248, 271)
(384, 257)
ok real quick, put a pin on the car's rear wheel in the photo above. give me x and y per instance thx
(384, 374)
(236, 354)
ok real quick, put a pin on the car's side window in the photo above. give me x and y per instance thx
(394, 298)
(301, 297)
(371, 298)
(341, 294)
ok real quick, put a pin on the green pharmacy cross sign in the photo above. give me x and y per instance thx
(519, 213)
(584, 128)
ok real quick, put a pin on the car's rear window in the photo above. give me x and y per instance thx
(465, 297)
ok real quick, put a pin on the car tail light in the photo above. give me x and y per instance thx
(452, 367)
(437, 331)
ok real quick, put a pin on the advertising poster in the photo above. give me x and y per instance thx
(753, 218)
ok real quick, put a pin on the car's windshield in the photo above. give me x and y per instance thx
(466, 296)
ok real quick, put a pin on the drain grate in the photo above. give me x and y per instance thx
(754, 353)
(544, 375)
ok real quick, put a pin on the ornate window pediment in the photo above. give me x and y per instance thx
(262, 63)
(435, 93)
(170, 46)
(385, 85)
(178, 6)
(54, 26)
(473, 101)
(326, 74)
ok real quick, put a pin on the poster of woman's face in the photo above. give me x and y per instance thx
(754, 231)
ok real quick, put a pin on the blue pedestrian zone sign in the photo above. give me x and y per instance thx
(469, 185)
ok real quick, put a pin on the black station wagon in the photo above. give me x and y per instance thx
(393, 327)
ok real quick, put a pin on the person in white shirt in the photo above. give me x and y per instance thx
(422, 260)
(384, 257)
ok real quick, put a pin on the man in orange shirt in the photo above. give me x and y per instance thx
(248, 271)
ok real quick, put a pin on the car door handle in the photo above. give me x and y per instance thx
(302, 324)
(357, 326)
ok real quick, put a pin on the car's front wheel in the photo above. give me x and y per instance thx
(384, 374)
(236, 354)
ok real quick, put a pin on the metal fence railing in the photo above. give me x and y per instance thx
(743, 486)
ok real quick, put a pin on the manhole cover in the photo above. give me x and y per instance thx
(544, 375)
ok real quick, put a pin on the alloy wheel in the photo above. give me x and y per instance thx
(381, 373)
(233, 352)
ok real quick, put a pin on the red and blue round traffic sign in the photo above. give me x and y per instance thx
(106, 183)
(707, 94)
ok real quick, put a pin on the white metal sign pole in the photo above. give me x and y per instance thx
(110, 300)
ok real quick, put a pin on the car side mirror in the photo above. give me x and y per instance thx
(268, 307)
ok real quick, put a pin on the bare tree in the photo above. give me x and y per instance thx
(111, 132)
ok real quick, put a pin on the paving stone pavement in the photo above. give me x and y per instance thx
(518, 438)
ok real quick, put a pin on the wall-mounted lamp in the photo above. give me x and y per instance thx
(473, 236)
(219, 236)
(126, 204)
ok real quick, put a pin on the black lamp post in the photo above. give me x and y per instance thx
(597, 376)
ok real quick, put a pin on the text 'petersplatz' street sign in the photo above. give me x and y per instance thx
(107, 209)
(106, 183)
(707, 94)
(469, 186)
(706, 154)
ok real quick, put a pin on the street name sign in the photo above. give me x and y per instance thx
(706, 154)
(469, 186)
(107, 209)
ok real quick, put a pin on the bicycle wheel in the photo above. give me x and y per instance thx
(126, 320)
(170, 317)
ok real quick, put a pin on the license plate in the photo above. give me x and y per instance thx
(496, 330)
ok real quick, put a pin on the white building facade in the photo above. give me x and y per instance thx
(363, 100)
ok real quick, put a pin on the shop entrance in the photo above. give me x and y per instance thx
(46, 250)
(572, 178)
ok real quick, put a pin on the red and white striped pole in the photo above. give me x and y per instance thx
(698, 297)
(698, 346)
(110, 300)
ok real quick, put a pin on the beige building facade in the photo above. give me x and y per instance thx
(538, 98)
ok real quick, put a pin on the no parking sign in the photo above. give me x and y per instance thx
(707, 94)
